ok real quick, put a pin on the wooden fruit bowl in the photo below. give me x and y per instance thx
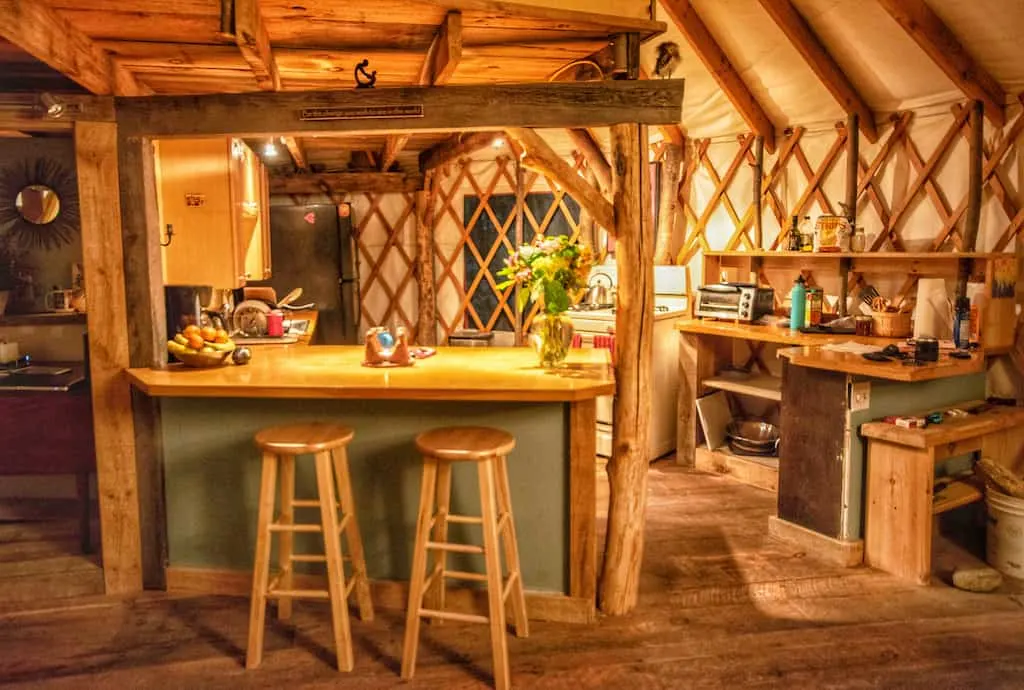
(203, 360)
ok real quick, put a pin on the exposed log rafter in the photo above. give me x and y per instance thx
(821, 62)
(455, 147)
(438, 67)
(714, 58)
(942, 46)
(297, 153)
(36, 28)
(539, 157)
(587, 145)
(254, 43)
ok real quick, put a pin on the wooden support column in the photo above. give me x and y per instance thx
(975, 183)
(102, 258)
(758, 194)
(852, 192)
(426, 324)
(668, 202)
(634, 322)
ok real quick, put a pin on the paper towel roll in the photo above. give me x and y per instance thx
(933, 315)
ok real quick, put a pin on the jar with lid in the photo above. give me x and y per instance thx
(857, 239)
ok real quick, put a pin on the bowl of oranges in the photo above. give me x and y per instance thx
(201, 348)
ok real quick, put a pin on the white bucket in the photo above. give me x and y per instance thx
(1005, 534)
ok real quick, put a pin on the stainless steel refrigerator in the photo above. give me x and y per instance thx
(312, 247)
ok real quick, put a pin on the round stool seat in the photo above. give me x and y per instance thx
(300, 439)
(465, 443)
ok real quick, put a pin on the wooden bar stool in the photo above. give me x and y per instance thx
(488, 448)
(328, 445)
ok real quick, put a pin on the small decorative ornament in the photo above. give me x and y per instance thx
(365, 79)
(39, 203)
(384, 350)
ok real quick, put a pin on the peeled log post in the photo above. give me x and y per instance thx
(426, 324)
(634, 322)
(668, 202)
(588, 146)
(852, 192)
(975, 183)
(758, 192)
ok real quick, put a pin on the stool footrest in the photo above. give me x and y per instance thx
(463, 575)
(457, 548)
(286, 527)
(306, 503)
(299, 593)
(453, 616)
(308, 558)
(465, 519)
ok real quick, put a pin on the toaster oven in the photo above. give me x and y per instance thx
(734, 301)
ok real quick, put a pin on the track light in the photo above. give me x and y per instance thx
(55, 108)
(498, 142)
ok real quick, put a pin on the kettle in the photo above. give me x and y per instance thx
(598, 294)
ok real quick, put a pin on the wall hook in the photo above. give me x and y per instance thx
(169, 234)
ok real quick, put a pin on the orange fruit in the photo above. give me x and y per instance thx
(209, 333)
(195, 341)
(222, 336)
(190, 329)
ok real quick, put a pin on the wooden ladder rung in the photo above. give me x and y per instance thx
(453, 616)
(507, 589)
(457, 548)
(305, 503)
(308, 558)
(279, 527)
(299, 593)
(463, 575)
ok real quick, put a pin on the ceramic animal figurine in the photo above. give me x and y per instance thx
(383, 350)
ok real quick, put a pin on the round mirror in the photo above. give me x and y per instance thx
(38, 204)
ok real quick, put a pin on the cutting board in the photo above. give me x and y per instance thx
(715, 415)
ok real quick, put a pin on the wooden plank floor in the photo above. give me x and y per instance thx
(722, 605)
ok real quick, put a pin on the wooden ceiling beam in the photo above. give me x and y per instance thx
(455, 147)
(671, 133)
(296, 151)
(342, 182)
(714, 58)
(942, 46)
(540, 157)
(409, 109)
(36, 28)
(254, 43)
(490, 12)
(438, 67)
(821, 62)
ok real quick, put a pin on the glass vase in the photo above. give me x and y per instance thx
(551, 337)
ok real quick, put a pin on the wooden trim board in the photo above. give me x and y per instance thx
(744, 470)
(387, 594)
(848, 554)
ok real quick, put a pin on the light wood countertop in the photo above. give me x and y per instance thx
(771, 334)
(951, 430)
(846, 362)
(498, 374)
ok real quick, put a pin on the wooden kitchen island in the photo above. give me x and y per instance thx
(208, 418)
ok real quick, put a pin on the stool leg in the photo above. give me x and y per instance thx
(444, 499)
(352, 534)
(335, 566)
(496, 605)
(286, 540)
(261, 566)
(511, 547)
(419, 566)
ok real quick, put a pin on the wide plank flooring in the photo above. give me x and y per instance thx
(722, 605)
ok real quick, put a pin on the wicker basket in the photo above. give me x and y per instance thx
(892, 324)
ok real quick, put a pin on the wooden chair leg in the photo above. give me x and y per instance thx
(286, 542)
(511, 547)
(436, 597)
(85, 511)
(496, 606)
(261, 565)
(352, 535)
(419, 566)
(335, 566)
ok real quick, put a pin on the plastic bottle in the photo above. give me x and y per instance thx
(798, 304)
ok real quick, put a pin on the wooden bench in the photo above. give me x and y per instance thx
(901, 478)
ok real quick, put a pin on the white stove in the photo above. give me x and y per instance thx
(596, 328)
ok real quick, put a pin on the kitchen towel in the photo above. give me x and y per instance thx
(933, 315)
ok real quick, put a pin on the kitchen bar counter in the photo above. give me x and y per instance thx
(208, 418)
(493, 374)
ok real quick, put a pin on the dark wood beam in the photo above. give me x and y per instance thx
(673, 134)
(25, 111)
(540, 157)
(591, 150)
(317, 183)
(714, 58)
(36, 28)
(821, 62)
(942, 46)
(438, 67)
(297, 153)
(254, 43)
(408, 109)
(455, 147)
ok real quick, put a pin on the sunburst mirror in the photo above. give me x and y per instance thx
(39, 204)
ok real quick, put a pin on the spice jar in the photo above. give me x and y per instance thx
(863, 325)
(857, 240)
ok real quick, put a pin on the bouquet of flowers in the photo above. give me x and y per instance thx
(550, 269)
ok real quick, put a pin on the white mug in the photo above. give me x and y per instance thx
(59, 300)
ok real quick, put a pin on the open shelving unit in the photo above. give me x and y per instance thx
(762, 386)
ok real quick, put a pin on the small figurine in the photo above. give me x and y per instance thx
(364, 78)
(383, 350)
(668, 60)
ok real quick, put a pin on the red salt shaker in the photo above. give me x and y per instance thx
(275, 324)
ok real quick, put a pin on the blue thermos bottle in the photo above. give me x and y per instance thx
(798, 304)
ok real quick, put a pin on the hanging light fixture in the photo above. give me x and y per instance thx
(498, 142)
(270, 149)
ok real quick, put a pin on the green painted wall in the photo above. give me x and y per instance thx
(212, 473)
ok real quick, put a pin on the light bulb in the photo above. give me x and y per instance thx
(498, 142)
(270, 150)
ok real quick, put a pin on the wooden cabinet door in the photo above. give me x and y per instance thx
(195, 196)
(251, 222)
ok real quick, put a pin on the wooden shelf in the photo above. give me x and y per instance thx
(954, 495)
(756, 471)
(43, 319)
(765, 387)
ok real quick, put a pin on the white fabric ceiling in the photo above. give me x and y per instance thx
(881, 60)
